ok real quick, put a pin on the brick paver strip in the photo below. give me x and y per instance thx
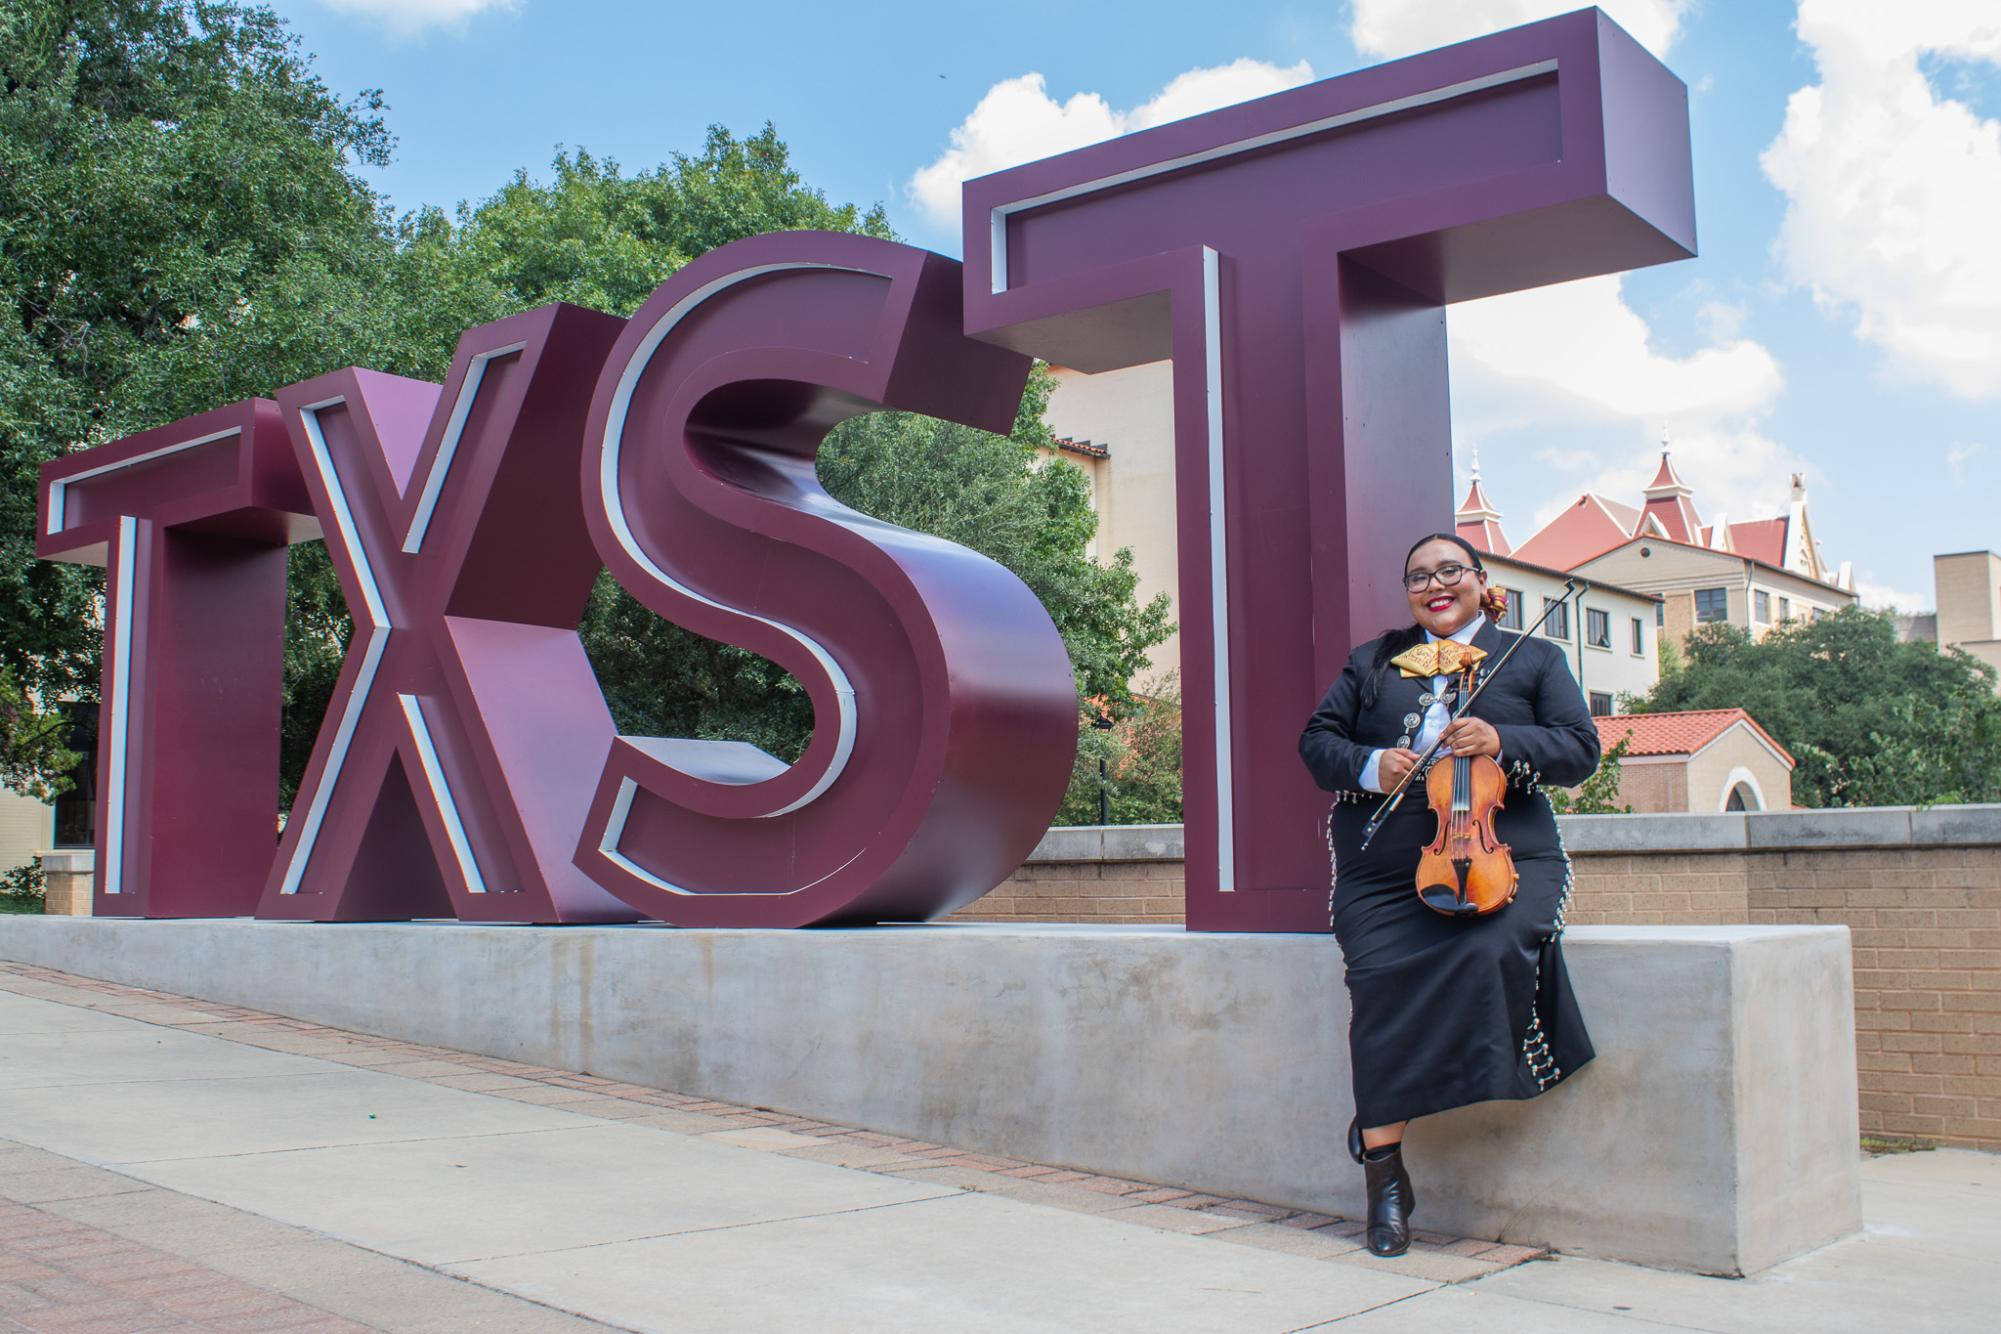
(56, 1274)
(255, 1025)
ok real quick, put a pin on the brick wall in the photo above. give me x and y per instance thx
(1114, 874)
(1660, 889)
(1099, 891)
(70, 882)
(1927, 934)
(1920, 892)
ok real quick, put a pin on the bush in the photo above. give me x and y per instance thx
(23, 889)
(1141, 753)
(1598, 794)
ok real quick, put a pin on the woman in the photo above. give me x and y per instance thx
(1447, 1010)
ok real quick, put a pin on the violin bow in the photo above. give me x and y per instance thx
(1396, 794)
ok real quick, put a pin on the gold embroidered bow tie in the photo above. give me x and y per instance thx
(1445, 657)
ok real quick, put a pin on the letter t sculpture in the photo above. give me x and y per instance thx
(1294, 256)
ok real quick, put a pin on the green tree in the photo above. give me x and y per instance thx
(180, 225)
(595, 236)
(1872, 721)
(1598, 794)
(1135, 763)
(33, 760)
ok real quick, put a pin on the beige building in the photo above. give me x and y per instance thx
(1968, 588)
(1754, 575)
(1699, 761)
(1609, 633)
(27, 829)
(1119, 428)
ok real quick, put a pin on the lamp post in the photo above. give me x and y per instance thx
(1103, 723)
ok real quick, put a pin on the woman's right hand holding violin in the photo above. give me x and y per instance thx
(1392, 766)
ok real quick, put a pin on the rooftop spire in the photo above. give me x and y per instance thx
(1666, 481)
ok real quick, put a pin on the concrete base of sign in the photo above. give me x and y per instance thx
(1715, 1132)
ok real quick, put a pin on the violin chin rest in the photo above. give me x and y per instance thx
(1441, 898)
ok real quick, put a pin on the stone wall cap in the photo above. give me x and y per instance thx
(1653, 833)
(69, 861)
(1934, 825)
(1850, 827)
(1719, 934)
(1111, 843)
(1724, 831)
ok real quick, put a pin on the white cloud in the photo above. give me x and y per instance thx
(1018, 121)
(407, 18)
(1402, 27)
(1958, 457)
(1874, 595)
(1893, 189)
(1576, 360)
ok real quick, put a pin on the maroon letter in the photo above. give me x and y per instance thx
(944, 711)
(190, 522)
(454, 763)
(1294, 256)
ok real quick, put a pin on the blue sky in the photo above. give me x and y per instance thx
(1844, 317)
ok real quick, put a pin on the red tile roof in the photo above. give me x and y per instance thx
(1677, 517)
(1666, 477)
(1087, 448)
(1760, 539)
(1479, 523)
(1483, 535)
(1591, 527)
(1682, 733)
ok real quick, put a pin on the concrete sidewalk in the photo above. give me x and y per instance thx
(183, 1165)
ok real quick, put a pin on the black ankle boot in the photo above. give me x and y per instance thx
(1391, 1200)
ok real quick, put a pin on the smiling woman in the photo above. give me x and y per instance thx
(1447, 1009)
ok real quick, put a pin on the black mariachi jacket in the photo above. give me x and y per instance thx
(1534, 703)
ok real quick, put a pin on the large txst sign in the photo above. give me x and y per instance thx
(1293, 256)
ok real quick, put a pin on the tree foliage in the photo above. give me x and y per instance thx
(1130, 771)
(1598, 794)
(1872, 721)
(33, 759)
(181, 226)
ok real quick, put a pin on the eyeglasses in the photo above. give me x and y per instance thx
(1447, 575)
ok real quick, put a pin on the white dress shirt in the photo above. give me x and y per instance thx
(1435, 717)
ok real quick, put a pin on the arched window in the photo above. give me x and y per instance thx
(1741, 798)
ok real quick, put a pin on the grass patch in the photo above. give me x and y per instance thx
(1878, 1145)
(20, 903)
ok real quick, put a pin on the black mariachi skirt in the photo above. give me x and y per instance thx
(1448, 1011)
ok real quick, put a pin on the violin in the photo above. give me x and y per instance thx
(1466, 871)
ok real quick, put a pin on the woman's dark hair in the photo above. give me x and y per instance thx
(1394, 642)
(1472, 555)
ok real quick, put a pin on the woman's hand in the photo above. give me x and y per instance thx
(1471, 736)
(1391, 768)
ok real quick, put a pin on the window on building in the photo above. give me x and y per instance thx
(1511, 619)
(1660, 614)
(1815, 613)
(1601, 704)
(1639, 635)
(1558, 624)
(1712, 604)
(1597, 628)
(76, 809)
(1785, 609)
(1761, 602)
